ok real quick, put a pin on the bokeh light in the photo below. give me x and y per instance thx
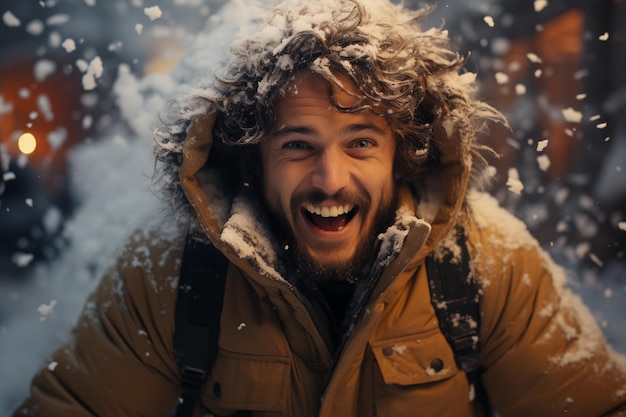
(27, 143)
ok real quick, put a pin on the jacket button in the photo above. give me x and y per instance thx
(217, 390)
(388, 351)
(436, 365)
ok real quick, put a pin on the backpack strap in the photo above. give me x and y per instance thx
(198, 311)
(454, 295)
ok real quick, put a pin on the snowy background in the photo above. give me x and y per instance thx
(125, 51)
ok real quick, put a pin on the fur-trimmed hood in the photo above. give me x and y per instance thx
(200, 172)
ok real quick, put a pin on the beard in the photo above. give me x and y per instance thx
(345, 270)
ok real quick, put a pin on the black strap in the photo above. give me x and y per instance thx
(198, 312)
(454, 295)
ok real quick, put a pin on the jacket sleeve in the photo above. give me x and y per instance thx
(543, 352)
(119, 359)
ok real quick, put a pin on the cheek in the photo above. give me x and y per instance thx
(382, 191)
(379, 179)
(278, 188)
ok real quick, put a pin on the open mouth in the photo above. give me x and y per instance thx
(330, 218)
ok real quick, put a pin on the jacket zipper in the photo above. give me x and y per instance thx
(317, 359)
(377, 274)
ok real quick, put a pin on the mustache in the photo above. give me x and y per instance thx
(343, 196)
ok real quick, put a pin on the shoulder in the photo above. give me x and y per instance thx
(536, 334)
(136, 298)
(519, 282)
(142, 284)
(524, 294)
(124, 336)
(493, 228)
(502, 247)
(155, 255)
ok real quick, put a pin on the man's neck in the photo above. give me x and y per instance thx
(338, 295)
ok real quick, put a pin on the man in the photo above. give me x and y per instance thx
(332, 156)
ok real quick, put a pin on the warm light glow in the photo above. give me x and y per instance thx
(27, 143)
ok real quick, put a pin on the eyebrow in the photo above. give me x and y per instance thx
(304, 130)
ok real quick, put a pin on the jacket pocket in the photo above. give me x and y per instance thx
(417, 374)
(415, 359)
(246, 382)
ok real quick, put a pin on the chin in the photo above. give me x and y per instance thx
(328, 268)
(332, 260)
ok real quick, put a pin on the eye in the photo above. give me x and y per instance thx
(363, 144)
(296, 145)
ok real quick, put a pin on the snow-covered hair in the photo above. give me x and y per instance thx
(416, 76)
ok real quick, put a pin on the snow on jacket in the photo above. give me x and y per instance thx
(542, 353)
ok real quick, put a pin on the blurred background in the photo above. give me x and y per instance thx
(82, 82)
(557, 70)
(59, 61)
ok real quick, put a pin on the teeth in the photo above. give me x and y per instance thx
(328, 211)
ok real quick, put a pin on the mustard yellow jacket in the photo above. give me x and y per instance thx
(542, 353)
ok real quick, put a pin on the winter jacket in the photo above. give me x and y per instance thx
(542, 353)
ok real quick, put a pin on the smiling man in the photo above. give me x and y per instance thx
(328, 177)
(328, 167)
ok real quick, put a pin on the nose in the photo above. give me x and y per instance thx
(331, 171)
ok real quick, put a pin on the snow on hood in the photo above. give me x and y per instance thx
(257, 62)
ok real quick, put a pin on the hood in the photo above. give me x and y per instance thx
(200, 177)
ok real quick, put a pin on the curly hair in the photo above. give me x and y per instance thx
(396, 66)
(415, 76)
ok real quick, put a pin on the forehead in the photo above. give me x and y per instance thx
(309, 100)
(312, 86)
(308, 107)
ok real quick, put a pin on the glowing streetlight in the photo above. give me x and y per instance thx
(27, 143)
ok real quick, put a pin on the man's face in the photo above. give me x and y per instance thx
(328, 177)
